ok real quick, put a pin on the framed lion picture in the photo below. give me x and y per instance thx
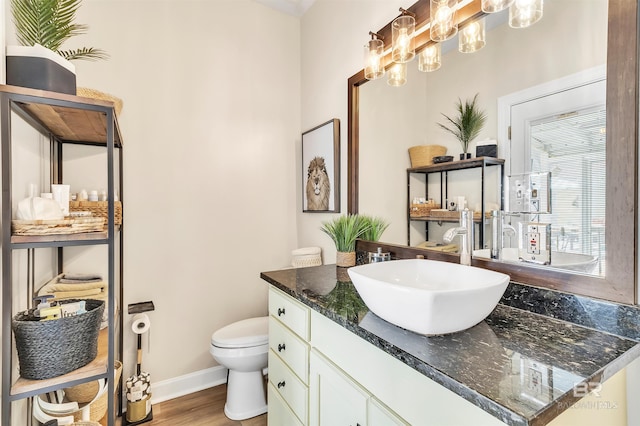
(321, 168)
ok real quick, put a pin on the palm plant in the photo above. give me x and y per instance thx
(468, 123)
(50, 23)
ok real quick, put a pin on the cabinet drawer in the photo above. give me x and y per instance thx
(290, 312)
(288, 386)
(279, 412)
(290, 348)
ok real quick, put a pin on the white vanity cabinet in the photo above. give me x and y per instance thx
(353, 377)
(336, 399)
(323, 374)
(288, 389)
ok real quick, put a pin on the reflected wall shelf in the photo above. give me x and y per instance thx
(443, 169)
(63, 119)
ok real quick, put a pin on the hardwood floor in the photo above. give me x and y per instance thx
(204, 408)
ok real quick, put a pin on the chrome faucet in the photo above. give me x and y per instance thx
(465, 231)
(498, 229)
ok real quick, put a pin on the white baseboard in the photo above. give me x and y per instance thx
(188, 383)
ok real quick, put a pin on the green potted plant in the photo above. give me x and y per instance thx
(42, 26)
(467, 124)
(344, 231)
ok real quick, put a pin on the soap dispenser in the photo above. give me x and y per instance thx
(379, 256)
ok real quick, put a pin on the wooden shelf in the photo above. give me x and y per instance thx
(443, 219)
(471, 163)
(61, 238)
(95, 367)
(69, 118)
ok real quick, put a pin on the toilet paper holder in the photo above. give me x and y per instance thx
(140, 307)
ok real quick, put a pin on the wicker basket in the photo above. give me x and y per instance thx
(91, 411)
(305, 257)
(86, 392)
(96, 94)
(345, 259)
(57, 227)
(422, 210)
(49, 349)
(422, 155)
(98, 209)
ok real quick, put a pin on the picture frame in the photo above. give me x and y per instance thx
(321, 168)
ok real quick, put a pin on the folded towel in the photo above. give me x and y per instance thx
(81, 294)
(74, 276)
(74, 287)
(54, 285)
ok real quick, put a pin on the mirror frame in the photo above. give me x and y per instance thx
(619, 284)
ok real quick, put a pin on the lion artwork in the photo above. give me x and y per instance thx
(318, 188)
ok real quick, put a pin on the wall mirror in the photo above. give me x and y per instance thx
(573, 39)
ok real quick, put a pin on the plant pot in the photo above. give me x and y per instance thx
(346, 259)
(465, 156)
(342, 275)
(37, 67)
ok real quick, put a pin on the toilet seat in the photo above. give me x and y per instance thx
(243, 334)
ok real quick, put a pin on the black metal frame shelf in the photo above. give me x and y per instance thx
(65, 119)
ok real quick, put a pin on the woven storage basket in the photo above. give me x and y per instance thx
(86, 392)
(95, 409)
(422, 155)
(96, 94)
(422, 210)
(305, 257)
(52, 348)
(98, 209)
(57, 227)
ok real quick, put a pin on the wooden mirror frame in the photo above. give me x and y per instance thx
(619, 283)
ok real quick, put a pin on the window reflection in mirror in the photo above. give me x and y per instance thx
(393, 119)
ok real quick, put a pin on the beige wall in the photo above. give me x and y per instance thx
(334, 33)
(211, 120)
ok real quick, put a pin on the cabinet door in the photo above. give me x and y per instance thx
(380, 415)
(279, 412)
(335, 399)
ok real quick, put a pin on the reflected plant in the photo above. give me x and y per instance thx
(467, 125)
(345, 301)
(377, 226)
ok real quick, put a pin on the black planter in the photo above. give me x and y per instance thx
(38, 72)
(465, 155)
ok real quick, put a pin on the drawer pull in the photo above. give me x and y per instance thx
(280, 311)
(281, 384)
(281, 347)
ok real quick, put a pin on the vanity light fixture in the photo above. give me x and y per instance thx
(524, 13)
(493, 6)
(430, 59)
(472, 37)
(397, 75)
(403, 40)
(373, 54)
(442, 16)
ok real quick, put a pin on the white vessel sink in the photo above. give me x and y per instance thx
(573, 261)
(429, 297)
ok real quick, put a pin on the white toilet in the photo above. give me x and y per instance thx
(243, 347)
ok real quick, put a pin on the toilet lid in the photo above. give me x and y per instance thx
(243, 334)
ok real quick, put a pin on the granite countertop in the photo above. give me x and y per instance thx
(485, 364)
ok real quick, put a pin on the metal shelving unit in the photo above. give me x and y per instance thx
(443, 169)
(64, 119)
